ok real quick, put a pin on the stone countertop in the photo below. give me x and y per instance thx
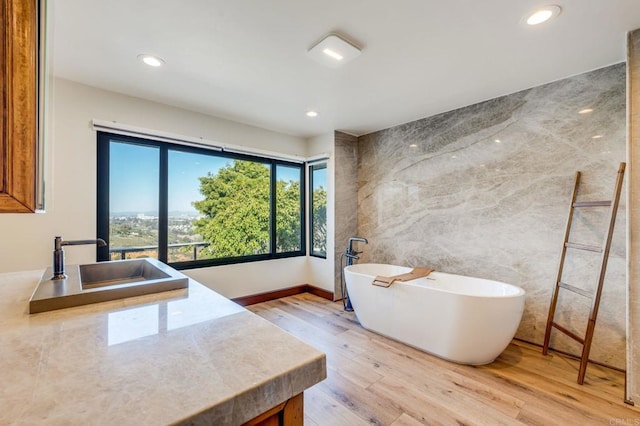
(183, 356)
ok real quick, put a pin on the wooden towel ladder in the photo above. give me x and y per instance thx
(604, 250)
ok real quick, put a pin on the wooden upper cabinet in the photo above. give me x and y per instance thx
(19, 102)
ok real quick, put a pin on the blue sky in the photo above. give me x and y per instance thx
(320, 178)
(184, 170)
(134, 177)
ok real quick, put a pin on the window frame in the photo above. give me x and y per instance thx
(103, 165)
(311, 168)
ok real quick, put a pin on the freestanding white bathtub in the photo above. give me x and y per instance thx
(461, 319)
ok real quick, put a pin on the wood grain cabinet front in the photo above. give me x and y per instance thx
(19, 103)
(289, 413)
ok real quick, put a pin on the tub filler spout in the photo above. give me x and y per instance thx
(351, 254)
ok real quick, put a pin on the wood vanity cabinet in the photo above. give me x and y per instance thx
(19, 102)
(289, 413)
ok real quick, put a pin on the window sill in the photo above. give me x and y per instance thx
(233, 260)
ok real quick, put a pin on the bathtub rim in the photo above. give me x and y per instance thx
(520, 292)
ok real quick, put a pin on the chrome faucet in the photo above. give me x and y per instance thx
(58, 254)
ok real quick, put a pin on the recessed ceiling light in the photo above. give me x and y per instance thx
(596, 136)
(311, 113)
(585, 111)
(151, 60)
(413, 145)
(334, 55)
(334, 51)
(543, 14)
(497, 140)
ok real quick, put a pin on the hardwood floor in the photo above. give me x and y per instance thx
(375, 380)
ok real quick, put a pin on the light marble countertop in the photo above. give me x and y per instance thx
(185, 356)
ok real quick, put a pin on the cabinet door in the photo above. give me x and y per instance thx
(18, 100)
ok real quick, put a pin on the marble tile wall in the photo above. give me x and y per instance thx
(484, 191)
(346, 197)
(633, 321)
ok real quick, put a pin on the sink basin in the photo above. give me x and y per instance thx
(104, 281)
(114, 273)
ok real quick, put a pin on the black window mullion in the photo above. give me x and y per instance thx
(273, 212)
(163, 208)
(310, 191)
(312, 171)
(303, 227)
(102, 195)
(311, 207)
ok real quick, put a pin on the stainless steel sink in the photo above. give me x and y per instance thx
(100, 282)
(115, 273)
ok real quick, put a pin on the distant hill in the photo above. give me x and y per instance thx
(173, 213)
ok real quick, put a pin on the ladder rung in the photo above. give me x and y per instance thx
(568, 333)
(575, 289)
(592, 204)
(586, 247)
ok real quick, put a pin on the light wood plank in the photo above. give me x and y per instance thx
(369, 406)
(375, 380)
(327, 411)
(308, 421)
(432, 405)
(406, 420)
(601, 382)
(360, 374)
(296, 308)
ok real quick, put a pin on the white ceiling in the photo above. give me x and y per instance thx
(245, 60)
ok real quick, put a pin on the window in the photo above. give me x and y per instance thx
(194, 207)
(133, 221)
(318, 209)
(289, 221)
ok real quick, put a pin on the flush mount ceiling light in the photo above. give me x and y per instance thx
(151, 60)
(543, 14)
(311, 113)
(333, 51)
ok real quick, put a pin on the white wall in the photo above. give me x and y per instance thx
(26, 240)
(253, 277)
(321, 270)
